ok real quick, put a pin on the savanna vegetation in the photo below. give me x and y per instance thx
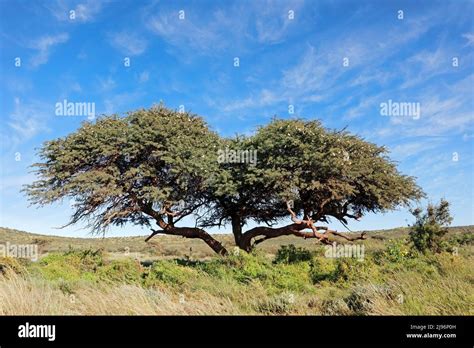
(281, 277)
(155, 167)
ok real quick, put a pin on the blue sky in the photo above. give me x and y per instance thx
(336, 61)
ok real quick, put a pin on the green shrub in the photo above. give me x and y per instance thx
(397, 250)
(71, 265)
(251, 267)
(290, 254)
(430, 227)
(170, 272)
(124, 271)
(321, 268)
(294, 278)
(349, 269)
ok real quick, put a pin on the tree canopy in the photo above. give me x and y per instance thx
(157, 166)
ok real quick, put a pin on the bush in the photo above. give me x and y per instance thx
(291, 254)
(170, 272)
(349, 269)
(249, 267)
(124, 271)
(321, 268)
(397, 250)
(430, 227)
(71, 265)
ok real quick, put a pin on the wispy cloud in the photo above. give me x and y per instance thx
(107, 84)
(43, 46)
(185, 33)
(128, 43)
(27, 120)
(84, 11)
(143, 77)
(240, 27)
(469, 38)
(274, 19)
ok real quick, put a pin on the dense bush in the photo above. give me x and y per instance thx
(397, 250)
(71, 265)
(291, 254)
(322, 269)
(430, 227)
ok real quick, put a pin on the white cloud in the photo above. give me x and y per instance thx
(85, 11)
(185, 33)
(273, 23)
(107, 84)
(239, 27)
(27, 120)
(128, 43)
(409, 149)
(143, 77)
(43, 47)
(470, 38)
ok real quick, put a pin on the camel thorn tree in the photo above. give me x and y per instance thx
(159, 166)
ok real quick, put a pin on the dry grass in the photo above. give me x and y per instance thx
(28, 296)
(112, 283)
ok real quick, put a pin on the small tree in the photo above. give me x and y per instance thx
(430, 227)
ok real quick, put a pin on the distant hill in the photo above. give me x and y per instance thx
(171, 246)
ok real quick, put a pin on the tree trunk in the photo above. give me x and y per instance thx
(193, 232)
(237, 229)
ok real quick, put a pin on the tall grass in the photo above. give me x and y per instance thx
(296, 281)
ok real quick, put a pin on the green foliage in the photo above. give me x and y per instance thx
(430, 227)
(170, 272)
(124, 271)
(152, 161)
(322, 268)
(250, 267)
(397, 250)
(462, 239)
(290, 254)
(302, 161)
(71, 266)
(251, 283)
(121, 169)
(349, 269)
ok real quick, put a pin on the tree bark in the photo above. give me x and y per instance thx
(236, 228)
(193, 232)
(295, 229)
(187, 232)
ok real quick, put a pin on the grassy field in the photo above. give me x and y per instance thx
(171, 275)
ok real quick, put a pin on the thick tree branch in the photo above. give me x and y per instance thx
(192, 232)
(296, 229)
